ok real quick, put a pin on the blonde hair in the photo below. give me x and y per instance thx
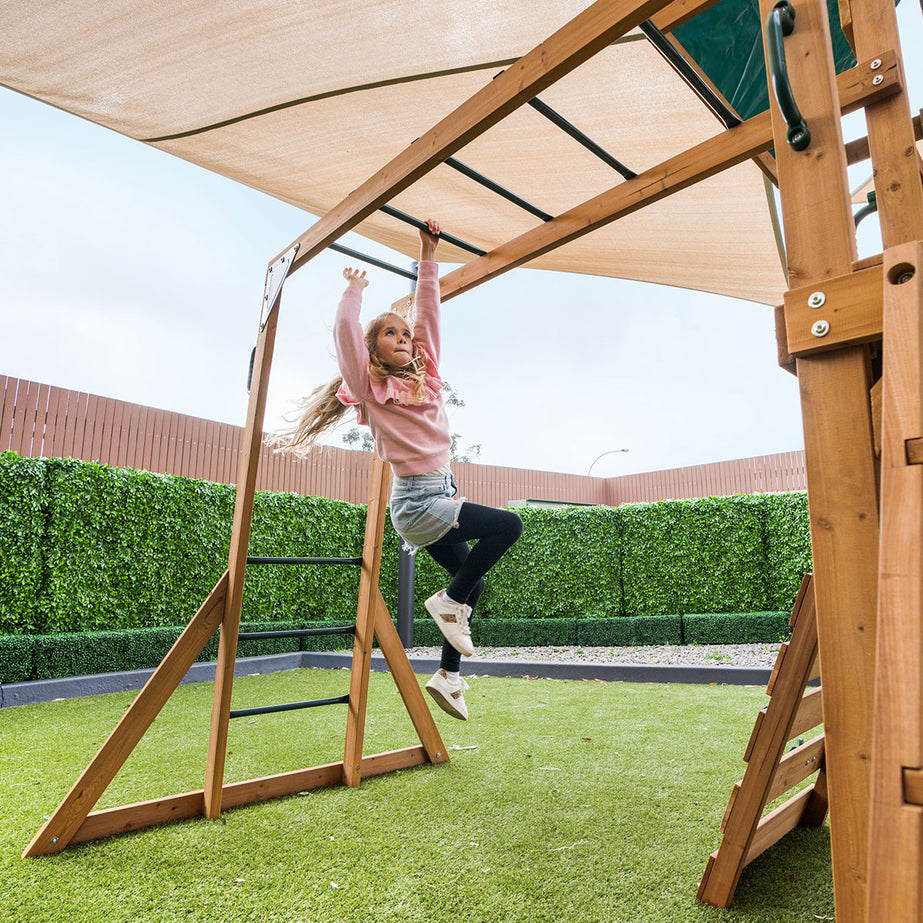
(322, 409)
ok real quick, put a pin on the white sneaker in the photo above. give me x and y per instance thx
(449, 696)
(452, 619)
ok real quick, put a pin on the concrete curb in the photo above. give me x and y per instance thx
(49, 690)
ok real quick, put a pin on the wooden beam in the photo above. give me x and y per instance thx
(896, 862)
(248, 466)
(407, 684)
(848, 307)
(839, 452)
(365, 621)
(706, 159)
(73, 810)
(575, 43)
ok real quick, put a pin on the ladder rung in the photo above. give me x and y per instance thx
(292, 706)
(296, 632)
(260, 559)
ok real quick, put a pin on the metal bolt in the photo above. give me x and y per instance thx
(878, 79)
(796, 137)
(876, 64)
(54, 840)
(905, 277)
(816, 299)
(821, 328)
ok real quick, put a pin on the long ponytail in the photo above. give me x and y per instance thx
(316, 413)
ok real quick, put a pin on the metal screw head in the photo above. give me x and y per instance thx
(905, 277)
(876, 64)
(878, 79)
(821, 328)
(816, 299)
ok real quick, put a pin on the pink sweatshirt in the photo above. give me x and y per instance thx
(414, 438)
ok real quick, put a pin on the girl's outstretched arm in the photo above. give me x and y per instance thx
(429, 240)
(348, 338)
(426, 300)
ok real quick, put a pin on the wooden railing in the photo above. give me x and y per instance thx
(42, 421)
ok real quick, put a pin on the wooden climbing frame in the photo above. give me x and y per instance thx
(72, 822)
(773, 768)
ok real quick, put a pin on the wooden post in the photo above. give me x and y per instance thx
(896, 856)
(237, 565)
(839, 450)
(895, 869)
(365, 620)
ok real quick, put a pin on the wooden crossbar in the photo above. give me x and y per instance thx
(771, 772)
(73, 821)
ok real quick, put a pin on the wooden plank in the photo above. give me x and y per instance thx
(896, 863)
(700, 162)
(810, 712)
(839, 451)
(913, 786)
(851, 309)
(776, 824)
(579, 40)
(131, 817)
(365, 621)
(70, 814)
(237, 565)
(796, 766)
(750, 796)
(393, 650)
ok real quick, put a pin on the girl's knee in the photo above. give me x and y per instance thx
(515, 525)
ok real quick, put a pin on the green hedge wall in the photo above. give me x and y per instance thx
(91, 548)
(23, 502)
(694, 556)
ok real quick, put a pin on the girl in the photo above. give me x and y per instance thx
(390, 375)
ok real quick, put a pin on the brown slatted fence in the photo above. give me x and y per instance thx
(42, 421)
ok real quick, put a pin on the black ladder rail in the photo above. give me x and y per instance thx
(291, 706)
(294, 633)
(487, 183)
(262, 559)
(421, 226)
(557, 119)
(692, 78)
(297, 633)
(373, 261)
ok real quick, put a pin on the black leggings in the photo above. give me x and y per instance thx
(496, 532)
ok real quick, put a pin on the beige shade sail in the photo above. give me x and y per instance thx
(306, 100)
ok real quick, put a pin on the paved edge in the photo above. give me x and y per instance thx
(49, 690)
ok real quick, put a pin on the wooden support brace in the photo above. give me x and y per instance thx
(770, 771)
(841, 311)
(60, 828)
(896, 861)
(731, 147)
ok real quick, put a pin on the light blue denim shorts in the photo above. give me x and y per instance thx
(424, 508)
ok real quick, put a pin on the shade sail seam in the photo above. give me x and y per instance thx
(346, 91)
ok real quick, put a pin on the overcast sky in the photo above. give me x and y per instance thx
(131, 274)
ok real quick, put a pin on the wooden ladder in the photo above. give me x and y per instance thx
(793, 710)
(72, 821)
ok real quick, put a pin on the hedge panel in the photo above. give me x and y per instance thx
(693, 556)
(788, 546)
(23, 500)
(736, 628)
(129, 549)
(565, 565)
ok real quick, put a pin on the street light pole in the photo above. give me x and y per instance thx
(598, 457)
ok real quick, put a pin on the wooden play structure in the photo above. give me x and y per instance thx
(850, 330)
(774, 768)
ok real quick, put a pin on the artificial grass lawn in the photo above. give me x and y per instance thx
(566, 801)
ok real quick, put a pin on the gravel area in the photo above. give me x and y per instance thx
(712, 655)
